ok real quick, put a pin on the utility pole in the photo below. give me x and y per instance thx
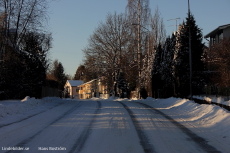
(190, 52)
(139, 48)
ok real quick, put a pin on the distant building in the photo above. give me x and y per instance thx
(71, 88)
(218, 34)
(93, 88)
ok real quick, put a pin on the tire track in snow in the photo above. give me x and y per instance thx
(3, 125)
(79, 144)
(24, 142)
(144, 140)
(201, 142)
(28, 117)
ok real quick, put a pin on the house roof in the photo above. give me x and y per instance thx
(216, 30)
(75, 83)
(88, 82)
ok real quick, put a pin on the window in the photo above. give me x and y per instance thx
(221, 37)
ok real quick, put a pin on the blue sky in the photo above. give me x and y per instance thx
(73, 21)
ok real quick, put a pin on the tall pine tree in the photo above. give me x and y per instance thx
(80, 73)
(166, 68)
(181, 58)
(156, 72)
(60, 76)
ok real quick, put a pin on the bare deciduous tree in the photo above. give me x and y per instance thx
(108, 47)
(218, 60)
(24, 47)
(158, 29)
(125, 43)
(23, 16)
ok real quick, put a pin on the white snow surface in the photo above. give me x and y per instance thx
(208, 121)
(110, 128)
(14, 107)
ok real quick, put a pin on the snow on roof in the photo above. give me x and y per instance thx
(75, 83)
(88, 82)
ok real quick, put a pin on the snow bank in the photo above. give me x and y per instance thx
(10, 107)
(211, 121)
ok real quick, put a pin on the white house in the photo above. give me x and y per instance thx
(93, 88)
(71, 88)
(218, 34)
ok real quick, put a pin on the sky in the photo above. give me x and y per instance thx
(71, 22)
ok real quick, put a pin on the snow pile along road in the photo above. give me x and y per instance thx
(209, 121)
(11, 107)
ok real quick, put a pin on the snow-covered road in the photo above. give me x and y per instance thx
(105, 126)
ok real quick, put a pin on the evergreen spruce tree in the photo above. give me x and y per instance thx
(24, 70)
(80, 73)
(182, 68)
(166, 68)
(173, 50)
(59, 75)
(35, 47)
(156, 72)
(122, 85)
